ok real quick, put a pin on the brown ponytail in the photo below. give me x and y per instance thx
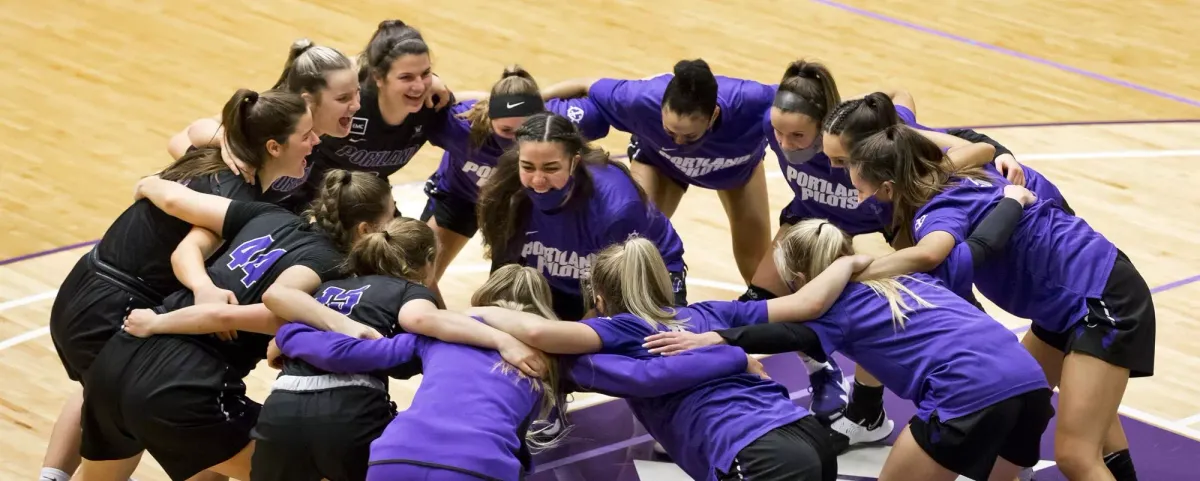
(402, 250)
(807, 88)
(514, 81)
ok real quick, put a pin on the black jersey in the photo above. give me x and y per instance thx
(264, 240)
(140, 241)
(372, 146)
(374, 301)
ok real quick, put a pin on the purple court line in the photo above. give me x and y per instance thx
(34, 255)
(1009, 52)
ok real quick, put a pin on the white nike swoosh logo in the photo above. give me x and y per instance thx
(514, 105)
(356, 140)
(531, 232)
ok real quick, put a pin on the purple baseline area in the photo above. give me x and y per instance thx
(607, 439)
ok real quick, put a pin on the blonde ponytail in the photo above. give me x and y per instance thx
(632, 277)
(811, 246)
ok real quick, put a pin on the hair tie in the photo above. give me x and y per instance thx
(251, 97)
(346, 179)
(386, 236)
(819, 228)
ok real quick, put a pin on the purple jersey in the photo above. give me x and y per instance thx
(465, 168)
(1053, 263)
(1034, 181)
(703, 428)
(484, 436)
(561, 245)
(724, 158)
(950, 360)
(825, 192)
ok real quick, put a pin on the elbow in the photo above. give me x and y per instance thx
(272, 298)
(928, 261)
(419, 323)
(986, 151)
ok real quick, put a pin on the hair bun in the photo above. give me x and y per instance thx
(691, 72)
(251, 97)
(301, 45)
(515, 70)
(391, 24)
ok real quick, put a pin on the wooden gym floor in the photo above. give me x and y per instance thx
(92, 90)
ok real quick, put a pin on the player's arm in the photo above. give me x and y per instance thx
(568, 89)
(623, 376)
(291, 299)
(557, 337)
(187, 262)
(177, 200)
(420, 316)
(929, 252)
(818, 295)
(339, 353)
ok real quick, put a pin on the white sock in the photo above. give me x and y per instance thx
(813, 366)
(51, 474)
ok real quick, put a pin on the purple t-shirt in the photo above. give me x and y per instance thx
(703, 428)
(950, 360)
(561, 245)
(825, 192)
(464, 168)
(1034, 181)
(1053, 263)
(724, 158)
(484, 435)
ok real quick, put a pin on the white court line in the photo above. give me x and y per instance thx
(1190, 420)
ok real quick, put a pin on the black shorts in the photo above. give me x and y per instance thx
(968, 445)
(452, 212)
(570, 307)
(1119, 326)
(87, 312)
(800, 451)
(310, 436)
(636, 154)
(169, 396)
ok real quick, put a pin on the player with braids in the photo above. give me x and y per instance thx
(488, 436)
(140, 391)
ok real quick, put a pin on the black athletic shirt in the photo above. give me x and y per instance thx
(372, 146)
(264, 240)
(140, 241)
(374, 301)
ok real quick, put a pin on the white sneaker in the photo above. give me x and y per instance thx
(859, 433)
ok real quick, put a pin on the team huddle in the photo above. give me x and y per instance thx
(274, 236)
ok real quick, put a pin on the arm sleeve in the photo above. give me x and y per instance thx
(775, 338)
(623, 376)
(993, 232)
(339, 353)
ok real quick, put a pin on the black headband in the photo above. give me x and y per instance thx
(519, 105)
(790, 102)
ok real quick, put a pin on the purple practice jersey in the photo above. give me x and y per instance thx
(485, 434)
(950, 360)
(560, 245)
(825, 192)
(465, 168)
(724, 158)
(1034, 181)
(1053, 263)
(703, 428)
